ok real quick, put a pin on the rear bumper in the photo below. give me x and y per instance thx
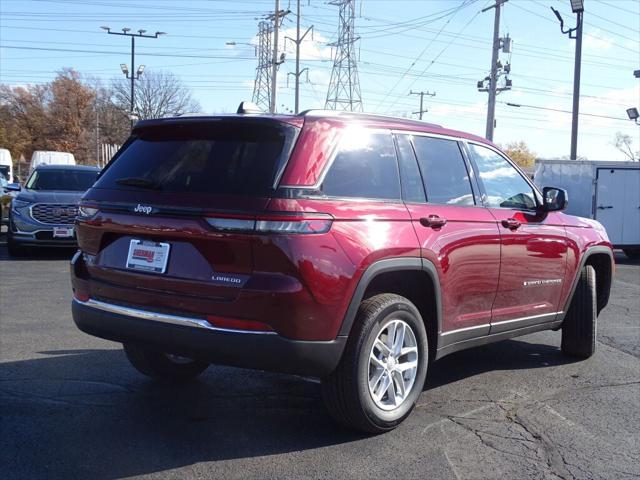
(195, 338)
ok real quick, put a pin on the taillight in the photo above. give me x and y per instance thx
(86, 211)
(273, 223)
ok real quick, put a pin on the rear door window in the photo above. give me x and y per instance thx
(214, 157)
(445, 175)
(412, 186)
(365, 167)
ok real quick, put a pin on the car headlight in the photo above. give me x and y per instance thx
(18, 205)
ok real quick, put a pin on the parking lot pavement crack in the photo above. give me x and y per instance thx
(482, 436)
(546, 450)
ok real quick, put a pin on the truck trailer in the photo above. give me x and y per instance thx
(606, 191)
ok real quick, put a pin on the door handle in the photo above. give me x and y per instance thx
(604, 207)
(511, 223)
(433, 221)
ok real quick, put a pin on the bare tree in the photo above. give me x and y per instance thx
(623, 143)
(157, 94)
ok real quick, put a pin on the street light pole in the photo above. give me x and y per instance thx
(576, 89)
(298, 41)
(133, 69)
(134, 76)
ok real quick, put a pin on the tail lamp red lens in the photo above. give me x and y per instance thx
(272, 223)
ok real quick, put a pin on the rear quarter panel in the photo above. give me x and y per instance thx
(330, 265)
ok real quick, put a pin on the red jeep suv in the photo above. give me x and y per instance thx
(355, 248)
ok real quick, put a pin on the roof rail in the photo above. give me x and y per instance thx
(340, 113)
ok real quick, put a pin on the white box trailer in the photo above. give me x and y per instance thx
(606, 191)
(6, 165)
(41, 157)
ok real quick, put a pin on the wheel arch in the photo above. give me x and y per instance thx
(601, 259)
(411, 277)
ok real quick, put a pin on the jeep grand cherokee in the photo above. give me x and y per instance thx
(354, 248)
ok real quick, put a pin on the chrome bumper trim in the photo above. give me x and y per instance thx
(162, 317)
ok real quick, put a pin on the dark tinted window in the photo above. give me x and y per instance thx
(365, 166)
(412, 188)
(445, 175)
(503, 184)
(214, 157)
(4, 171)
(71, 180)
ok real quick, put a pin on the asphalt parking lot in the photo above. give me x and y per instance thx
(72, 407)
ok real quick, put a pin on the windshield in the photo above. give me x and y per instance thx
(69, 180)
(221, 157)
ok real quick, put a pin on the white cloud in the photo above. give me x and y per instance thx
(596, 40)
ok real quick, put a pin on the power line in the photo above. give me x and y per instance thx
(510, 104)
(424, 50)
(104, 52)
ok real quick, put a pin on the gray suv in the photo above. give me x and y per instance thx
(44, 212)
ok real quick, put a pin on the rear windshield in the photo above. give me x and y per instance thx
(67, 180)
(4, 171)
(225, 157)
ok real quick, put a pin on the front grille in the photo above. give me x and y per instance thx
(55, 213)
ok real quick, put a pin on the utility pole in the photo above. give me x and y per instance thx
(422, 94)
(123, 67)
(493, 77)
(276, 60)
(344, 86)
(298, 41)
(274, 72)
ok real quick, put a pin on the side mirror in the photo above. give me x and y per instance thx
(13, 187)
(555, 199)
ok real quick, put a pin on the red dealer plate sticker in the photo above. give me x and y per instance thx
(148, 256)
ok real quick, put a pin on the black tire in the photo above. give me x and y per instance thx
(632, 253)
(160, 366)
(346, 390)
(579, 326)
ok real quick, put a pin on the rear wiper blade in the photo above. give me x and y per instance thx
(139, 182)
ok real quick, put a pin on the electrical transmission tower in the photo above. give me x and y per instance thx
(344, 87)
(262, 84)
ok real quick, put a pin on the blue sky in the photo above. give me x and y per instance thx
(405, 45)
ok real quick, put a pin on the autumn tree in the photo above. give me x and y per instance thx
(76, 114)
(157, 94)
(24, 121)
(70, 111)
(520, 153)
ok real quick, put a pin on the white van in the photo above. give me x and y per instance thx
(6, 165)
(41, 157)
